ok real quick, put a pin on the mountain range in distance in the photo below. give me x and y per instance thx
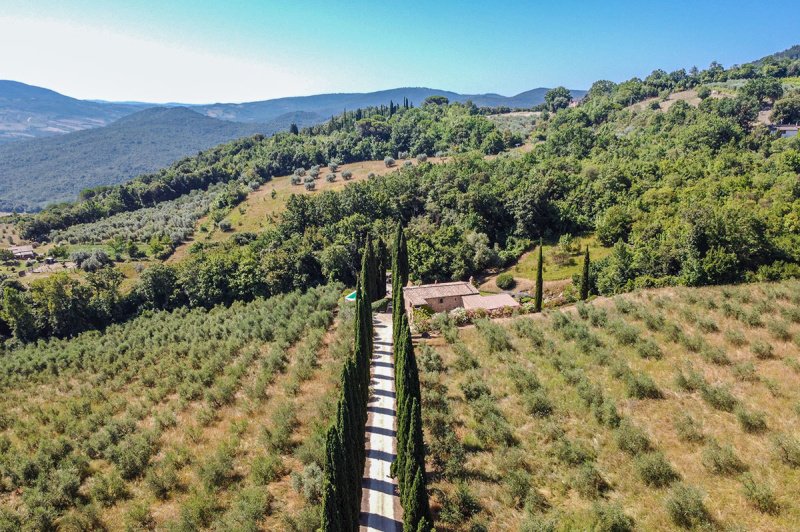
(53, 146)
(29, 112)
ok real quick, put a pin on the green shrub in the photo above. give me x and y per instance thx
(460, 506)
(109, 488)
(138, 517)
(278, 437)
(690, 381)
(535, 502)
(474, 387)
(707, 324)
(686, 508)
(198, 510)
(655, 470)
(787, 447)
(495, 336)
(632, 439)
(430, 360)
(719, 397)
(538, 404)
(247, 510)
(266, 468)
(610, 517)
(759, 495)
(641, 386)
(735, 337)
(779, 330)
(492, 427)
(217, 469)
(762, 350)
(606, 413)
(505, 281)
(309, 482)
(589, 483)
(745, 371)
(688, 429)
(464, 360)
(647, 348)
(624, 333)
(527, 328)
(721, 459)
(573, 452)
(162, 479)
(715, 355)
(518, 484)
(750, 420)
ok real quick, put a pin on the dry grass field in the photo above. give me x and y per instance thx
(657, 410)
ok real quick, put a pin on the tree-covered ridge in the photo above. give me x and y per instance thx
(354, 136)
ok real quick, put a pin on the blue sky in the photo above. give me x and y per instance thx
(196, 52)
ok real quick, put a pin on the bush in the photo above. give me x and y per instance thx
(573, 453)
(217, 470)
(719, 397)
(632, 439)
(247, 510)
(311, 186)
(388, 161)
(735, 337)
(309, 482)
(266, 468)
(474, 387)
(715, 355)
(459, 507)
(641, 386)
(518, 484)
(762, 350)
(347, 175)
(495, 336)
(722, 459)
(538, 404)
(759, 495)
(224, 225)
(330, 178)
(589, 483)
(421, 158)
(647, 348)
(779, 330)
(505, 281)
(162, 479)
(108, 488)
(333, 166)
(430, 360)
(688, 429)
(655, 470)
(690, 381)
(138, 517)
(610, 517)
(198, 510)
(787, 448)
(751, 421)
(745, 371)
(685, 507)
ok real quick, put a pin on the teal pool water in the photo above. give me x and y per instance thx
(351, 297)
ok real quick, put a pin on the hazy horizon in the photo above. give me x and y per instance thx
(245, 51)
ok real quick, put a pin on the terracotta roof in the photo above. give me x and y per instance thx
(417, 295)
(489, 302)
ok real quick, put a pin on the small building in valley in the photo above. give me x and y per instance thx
(489, 303)
(439, 297)
(444, 297)
(23, 252)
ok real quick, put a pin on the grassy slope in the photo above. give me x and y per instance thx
(773, 389)
(305, 387)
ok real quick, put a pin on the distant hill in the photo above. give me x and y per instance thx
(789, 53)
(29, 112)
(36, 172)
(327, 105)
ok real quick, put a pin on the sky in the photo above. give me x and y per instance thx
(191, 51)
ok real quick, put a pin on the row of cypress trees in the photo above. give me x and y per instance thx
(409, 466)
(344, 447)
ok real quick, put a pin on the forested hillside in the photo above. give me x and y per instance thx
(40, 172)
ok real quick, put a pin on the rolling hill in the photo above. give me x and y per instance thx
(29, 112)
(47, 170)
(326, 105)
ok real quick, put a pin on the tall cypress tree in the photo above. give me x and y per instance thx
(537, 304)
(381, 263)
(332, 520)
(585, 276)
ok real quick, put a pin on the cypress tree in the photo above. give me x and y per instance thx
(537, 305)
(331, 497)
(585, 276)
(381, 264)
